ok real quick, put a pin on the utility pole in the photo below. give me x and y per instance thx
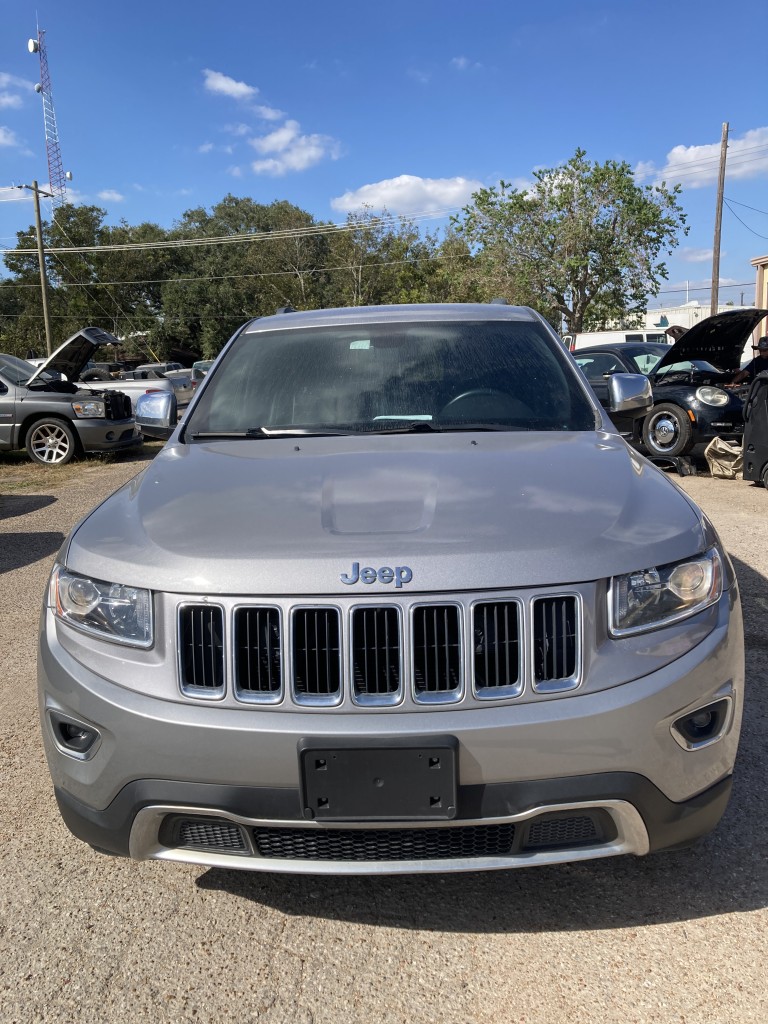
(37, 192)
(715, 296)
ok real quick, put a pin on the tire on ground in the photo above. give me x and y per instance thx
(51, 442)
(667, 430)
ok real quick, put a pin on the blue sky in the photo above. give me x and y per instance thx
(165, 106)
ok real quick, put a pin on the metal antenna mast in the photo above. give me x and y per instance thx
(56, 174)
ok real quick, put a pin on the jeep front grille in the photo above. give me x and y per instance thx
(406, 652)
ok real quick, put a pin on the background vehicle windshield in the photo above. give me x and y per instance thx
(382, 376)
(16, 371)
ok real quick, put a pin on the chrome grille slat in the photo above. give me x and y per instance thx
(376, 654)
(497, 648)
(436, 652)
(316, 655)
(258, 654)
(201, 649)
(555, 642)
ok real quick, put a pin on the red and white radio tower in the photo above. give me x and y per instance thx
(57, 176)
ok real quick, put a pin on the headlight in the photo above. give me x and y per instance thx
(663, 594)
(111, 611)
(89, 410)
(712, 396)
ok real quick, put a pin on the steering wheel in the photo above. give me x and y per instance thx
(476, 393)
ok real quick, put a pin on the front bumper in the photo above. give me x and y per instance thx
(107, 435)
(163, 771)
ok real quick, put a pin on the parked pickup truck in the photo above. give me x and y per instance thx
(56, 420)
(71, 359)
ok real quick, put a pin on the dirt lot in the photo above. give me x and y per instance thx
(678, 937)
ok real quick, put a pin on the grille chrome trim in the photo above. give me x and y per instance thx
(631, 837)
(437, 652)
(388, 686)
(499, 650)
(315, 671)
(204, 661)
(265, 677)
(553, 671)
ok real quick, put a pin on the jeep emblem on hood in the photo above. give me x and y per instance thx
(399, 575)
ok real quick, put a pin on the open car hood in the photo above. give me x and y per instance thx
(72, 357)
(718, 339)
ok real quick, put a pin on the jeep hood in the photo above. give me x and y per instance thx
(719, 339)
(72, 357)
(461, 511)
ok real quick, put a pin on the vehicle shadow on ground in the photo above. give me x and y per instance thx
(727, 872)
(20, 549)
(20, 504)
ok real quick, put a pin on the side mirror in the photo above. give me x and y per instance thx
(156, 414)
(630, 393)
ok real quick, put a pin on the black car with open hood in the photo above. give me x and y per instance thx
(693, 399)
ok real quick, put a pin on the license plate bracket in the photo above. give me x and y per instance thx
(379, 783)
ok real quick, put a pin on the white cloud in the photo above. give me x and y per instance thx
(236, 172)
(268, 113)
(205, 148)
(691, 255)
(12, 81)
(9, 99)
(698, 166)
(278, 140)
(223, 85)
(237, 129)
(111, 196)
(465, 64)
(8, 138)
(286, 149)
(422, 77)
(409, 194)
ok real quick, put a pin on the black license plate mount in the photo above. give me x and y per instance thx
(375, 783)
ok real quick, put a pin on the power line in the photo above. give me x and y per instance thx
(738, 218)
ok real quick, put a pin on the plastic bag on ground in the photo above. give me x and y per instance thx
(725, 460)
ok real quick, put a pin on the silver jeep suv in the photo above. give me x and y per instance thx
(395, 597)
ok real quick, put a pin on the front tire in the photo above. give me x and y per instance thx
(51, 442)
(667, 430)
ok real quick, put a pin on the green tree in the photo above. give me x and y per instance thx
(582, 244)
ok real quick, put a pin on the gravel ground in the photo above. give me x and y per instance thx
(678, 937)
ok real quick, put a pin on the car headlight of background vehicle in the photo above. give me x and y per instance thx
(111, 611)
(89, 409)
(712, 396)
(663, 594)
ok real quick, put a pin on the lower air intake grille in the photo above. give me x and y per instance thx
(566, 831)
(385, 844)
(201, 649)
(210, 834)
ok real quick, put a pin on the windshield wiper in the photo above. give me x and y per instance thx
(258, 432)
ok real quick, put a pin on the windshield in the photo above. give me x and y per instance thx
(16, 371)
(393, 376)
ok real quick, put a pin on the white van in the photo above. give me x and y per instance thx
(576, 341)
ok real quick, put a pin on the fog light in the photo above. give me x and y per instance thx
(73, 737)
(110, 435)
(703, 726)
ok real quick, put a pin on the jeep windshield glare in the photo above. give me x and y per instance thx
(391, 377)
